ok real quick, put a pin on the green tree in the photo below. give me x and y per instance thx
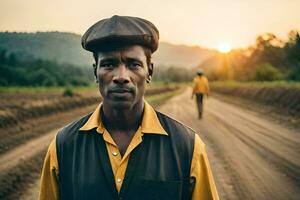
(12, 59)
(267, 72)
(3, 56)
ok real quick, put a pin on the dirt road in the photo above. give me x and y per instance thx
(251, 157)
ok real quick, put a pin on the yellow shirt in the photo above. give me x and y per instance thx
(200, 85)
(204, 186)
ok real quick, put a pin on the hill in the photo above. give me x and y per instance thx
(65, 48)
(180, 55)
(53, 46)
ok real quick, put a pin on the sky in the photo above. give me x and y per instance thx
(206, 23)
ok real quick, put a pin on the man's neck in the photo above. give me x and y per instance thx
(116, 119)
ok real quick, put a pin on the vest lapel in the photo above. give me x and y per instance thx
(133, 162)
(105, 162)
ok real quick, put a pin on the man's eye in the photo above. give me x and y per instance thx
(107, 65)
(135, 65)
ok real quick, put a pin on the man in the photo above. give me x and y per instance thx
(200, 89)
(125, 149)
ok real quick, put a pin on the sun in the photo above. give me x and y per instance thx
(224, 47)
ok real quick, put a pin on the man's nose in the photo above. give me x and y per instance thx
(121, 75)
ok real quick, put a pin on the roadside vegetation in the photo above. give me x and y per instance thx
(283, 96)
(161, 98)
(268, 59)
(256, 84)
(17, 72)
(266, 73)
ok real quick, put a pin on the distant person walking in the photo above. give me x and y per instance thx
(200, 88)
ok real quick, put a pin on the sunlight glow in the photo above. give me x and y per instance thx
(224, 47)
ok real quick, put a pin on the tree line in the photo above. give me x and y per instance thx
(269, 59)
(36, 72)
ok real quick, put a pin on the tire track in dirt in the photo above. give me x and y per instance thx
(287, 166)
(251, 157)
(13, 158)
(18, 134)
(15, 181)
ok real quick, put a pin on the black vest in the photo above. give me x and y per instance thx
(159, 168)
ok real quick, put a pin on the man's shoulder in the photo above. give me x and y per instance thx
(204, 78)
(180, 136)
(174, 127)
(68, 131)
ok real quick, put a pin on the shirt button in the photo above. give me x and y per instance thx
(115, 153)
(119, 180)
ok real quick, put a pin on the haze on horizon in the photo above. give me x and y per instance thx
(206, 23)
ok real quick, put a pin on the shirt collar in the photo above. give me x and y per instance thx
(150, 123)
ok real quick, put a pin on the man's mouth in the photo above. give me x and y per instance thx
(121, 93)
(120, 90)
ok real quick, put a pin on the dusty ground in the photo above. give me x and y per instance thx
(21, 166)
(251, 157)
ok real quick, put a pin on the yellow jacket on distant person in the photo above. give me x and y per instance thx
(200, 85)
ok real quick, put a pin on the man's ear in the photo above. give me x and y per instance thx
(95, 72)
(150, 72)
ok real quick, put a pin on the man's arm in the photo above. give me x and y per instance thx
(194, 87)
(207, 87)
(49, 177)
(205, 188)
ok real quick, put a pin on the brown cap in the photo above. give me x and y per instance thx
(120, 31)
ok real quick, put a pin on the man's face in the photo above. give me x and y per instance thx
(121, 75)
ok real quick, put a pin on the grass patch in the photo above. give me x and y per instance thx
(283, 96)
(162, 84)
(257, 84)
(79, 89)
(53, 90)
(159, 99)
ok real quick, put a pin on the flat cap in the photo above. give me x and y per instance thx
(119, 31)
